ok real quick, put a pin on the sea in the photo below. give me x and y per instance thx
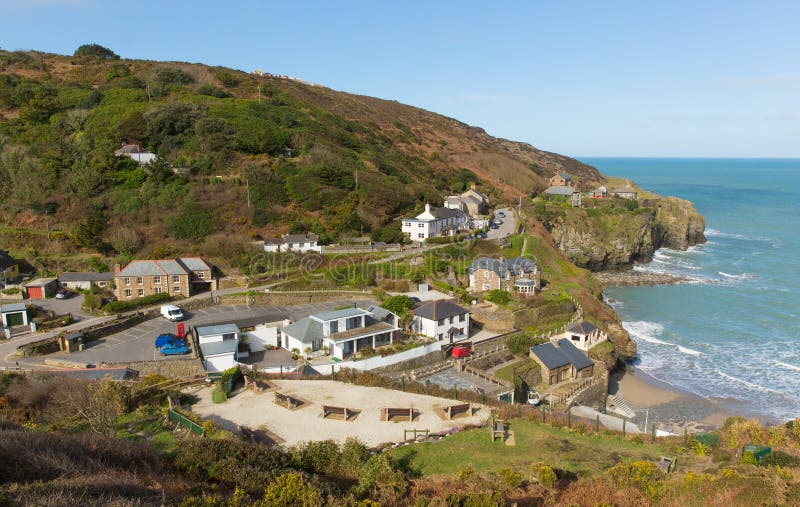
(733, 334)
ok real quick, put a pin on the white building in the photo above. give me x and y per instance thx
(293, 243)
(435, 222)
(441, 320)
(219, 346)
(136, 153)
(85, 281)
(583, 335)
(344, 332)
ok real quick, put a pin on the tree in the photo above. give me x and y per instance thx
(125, 240)
(95, 51)
(89, 234)
(291, 489)
(192, 222)
(398, 304)
(97, 404)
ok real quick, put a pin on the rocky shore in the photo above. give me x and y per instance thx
(633, 278)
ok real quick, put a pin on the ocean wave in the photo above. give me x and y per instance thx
(650, 332)
(742, 276)
(691, 352)
(714, 233)
(787, 366)
(751, 385)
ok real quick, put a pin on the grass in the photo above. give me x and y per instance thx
(514, 249)
(584, 455)
(506, 372)
(150, 425)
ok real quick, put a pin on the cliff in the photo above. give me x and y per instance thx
(616, 237)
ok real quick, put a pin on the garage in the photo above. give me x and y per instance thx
(41, 288)
(14, 314)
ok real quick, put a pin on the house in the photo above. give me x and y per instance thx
(136, 153)
(342, 332)
(9, 267)
(518, 274)
(561, 179)
(441, 320)
(584, 335)
(293, 243)
(563, 193)
(624, 192)
(561, 361)
(219, 346)
(182, 276)
(435, 222)
(85, 280)
(15, 314)
(472, 202)
(41, 288)
(599, 192)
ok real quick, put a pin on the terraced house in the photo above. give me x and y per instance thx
(182, 276)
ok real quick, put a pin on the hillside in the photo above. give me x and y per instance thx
(307, 158)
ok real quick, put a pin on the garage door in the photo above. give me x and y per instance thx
(36, 292)
(14, 319)
(220, 363)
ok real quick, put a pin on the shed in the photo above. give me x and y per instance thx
(15, 314)
(41, 288)
(71, 342)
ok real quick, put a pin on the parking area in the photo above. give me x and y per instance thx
(72, 305)
(137, 343)
(507, 228)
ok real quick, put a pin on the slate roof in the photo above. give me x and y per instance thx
(439, 309)
(216, 329)
(582, 327)
(575, 356)
(501, 266)
(179, 266)
(215, 348)
(6, 261)
(195, 263)
(12, 308)
(441, 213)
(559, 190)
(306, 330)
(86, 276)
(565, 353)
(339, 314)
(378, 313)
(300, 238)
(564, 175)
(129, 148)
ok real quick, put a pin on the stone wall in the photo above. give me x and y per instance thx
(594, 395)
(179, 367)
(417, 362)
(291, 298)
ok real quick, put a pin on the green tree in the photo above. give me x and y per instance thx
(398, 304)
(291, 489)
(193, 222)
(95, 51)
(89, 233)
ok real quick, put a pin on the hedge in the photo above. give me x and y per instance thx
(123, 306)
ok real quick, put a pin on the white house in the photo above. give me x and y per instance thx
(293, 243)
(344, 332)
(136, 153)
(435, 222)
(583, 335)
(442, 320)
(219, 346)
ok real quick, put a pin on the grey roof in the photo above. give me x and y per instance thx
(300, 238)
(440, 213)
(306, 330)
(501, 266)
(582, 327)
(12, 308)
(564, 175)
(215, 348)
(524, 282)
(273, 241)
(439, 309)
(216, 329)
(339, 314)
(559, 190)
(129, 148)
(86, 276)
(41, 282)
(550, 355)
(6, 261)
(378, 312)
(623, 190)
(575, 356)
(179, 266)
(195, 263)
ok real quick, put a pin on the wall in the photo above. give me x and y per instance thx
(264, 334)
(178, 367)
(381, 362)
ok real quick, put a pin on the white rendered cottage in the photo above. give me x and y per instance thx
(441, 320)
(583, 335)
(219, 346)
(435, 222)
(293, 243)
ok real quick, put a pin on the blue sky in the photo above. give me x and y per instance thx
(583, 78)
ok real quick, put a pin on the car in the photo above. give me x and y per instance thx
(174, 349)
(62, 294)
(482, 235)
(165, 339)
(415, 299)
(172, 313)
(460, 351)
(495, 226)
(501, 214)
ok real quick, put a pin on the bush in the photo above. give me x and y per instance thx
(544, 474)
(124, 306)
(291, 489)
(510, 478)
(95, 51)
(520, 343)
(398, 304)
(643, 475)
(497, 296)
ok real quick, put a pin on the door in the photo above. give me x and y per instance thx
(35, 292)
(14, 319)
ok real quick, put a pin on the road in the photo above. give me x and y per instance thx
(507, 228)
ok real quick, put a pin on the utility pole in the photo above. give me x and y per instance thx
(47, 221)
(247, 181)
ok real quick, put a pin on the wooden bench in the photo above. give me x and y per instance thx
(498, 429)
(342, 413)
(400, 414)
(287, 401)
(454, 410)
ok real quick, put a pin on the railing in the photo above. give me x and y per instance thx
(485, 376)
(182, 420)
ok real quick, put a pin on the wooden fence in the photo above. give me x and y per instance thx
(184, 421)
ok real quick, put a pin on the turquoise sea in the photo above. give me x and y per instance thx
(733, 334)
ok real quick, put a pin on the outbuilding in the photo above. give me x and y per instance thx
(561, 361)
(219, 345)
(15, 314)
(41, 288)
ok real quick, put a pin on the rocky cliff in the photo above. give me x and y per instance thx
(616, 238)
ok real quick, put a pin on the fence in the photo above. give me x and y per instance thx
(184, 421)
(382, 361)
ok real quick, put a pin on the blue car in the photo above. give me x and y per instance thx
(174, 349)
(165, 339)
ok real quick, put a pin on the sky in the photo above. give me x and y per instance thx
(583, 78)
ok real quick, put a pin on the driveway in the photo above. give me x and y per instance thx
(507, 228)
(136, 343)
(63, 306)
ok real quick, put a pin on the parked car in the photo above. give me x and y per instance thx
(62, 294)
(495, 226)
(482, 235)
(501, 214)
(165, 339)
(460, 351)
(171, 313)
(174, 349)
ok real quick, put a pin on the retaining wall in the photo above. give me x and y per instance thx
(179, 367)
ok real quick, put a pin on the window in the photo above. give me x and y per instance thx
(420, 225)
(157, 290)
(441, 322)
(486, 286)
(421, 235)
(139, 280)
(127, 293)
(462, 317)
(486, 274)
(140, 292)
(441, 336)
(334, 326)
(157, 280)
(177, 288)
(201, 275)
(228, 336)
(127, 280)
(176, 279)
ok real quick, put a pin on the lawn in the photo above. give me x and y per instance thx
(584, 455)
(148, 426)
(523, 365)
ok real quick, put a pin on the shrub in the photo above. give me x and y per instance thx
(643, 475)
(510, 478)
(543, 474)
(95, 51)
(398, 304)
(291, 489)
(520, 343)
(124, 306)
(497, 296)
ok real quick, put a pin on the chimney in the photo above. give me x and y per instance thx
(473, 186)
(427, 208)
(116, 269)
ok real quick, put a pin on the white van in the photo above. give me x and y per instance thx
(171, 312)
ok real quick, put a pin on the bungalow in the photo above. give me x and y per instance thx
(293, 243)
(85, 280)
(219, 346)
(561, 361)
(625, 192)
(442, 320)
(564, 193)
(583, 335)
(343, 332)
(518, 274)
(9, 267)
(41, 288)
(136, 153)
(435, 222)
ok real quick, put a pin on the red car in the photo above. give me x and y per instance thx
(460, 351)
